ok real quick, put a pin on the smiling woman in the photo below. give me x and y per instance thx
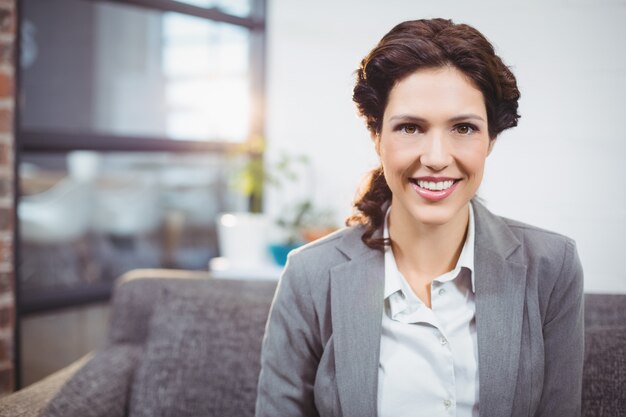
(428, 304)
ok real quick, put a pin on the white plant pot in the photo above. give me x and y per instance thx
(243, 239)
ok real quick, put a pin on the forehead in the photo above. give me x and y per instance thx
(435, 93)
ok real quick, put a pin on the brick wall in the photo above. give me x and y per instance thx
(8, 24)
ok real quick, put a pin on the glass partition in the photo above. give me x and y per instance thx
(130, 114)
(86, 217)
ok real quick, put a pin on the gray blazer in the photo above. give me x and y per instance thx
(321, 347)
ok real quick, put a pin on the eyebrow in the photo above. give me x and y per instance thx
(406, 117)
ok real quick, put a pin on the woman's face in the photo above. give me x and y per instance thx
(433, 145)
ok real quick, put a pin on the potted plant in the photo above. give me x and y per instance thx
(301, 223)
(243, 235)
(292, 224)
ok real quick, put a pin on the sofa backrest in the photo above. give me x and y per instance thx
(201, 340)
(605, 310)
(201, 343)
(604, 373)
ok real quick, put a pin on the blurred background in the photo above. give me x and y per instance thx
(139, 122)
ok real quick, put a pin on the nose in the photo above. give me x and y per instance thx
(436, 154)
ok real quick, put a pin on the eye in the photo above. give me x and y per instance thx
(465, 129)
(408, 128)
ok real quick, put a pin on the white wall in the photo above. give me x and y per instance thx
(562, 168)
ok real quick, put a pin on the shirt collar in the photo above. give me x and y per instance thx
(394, 280)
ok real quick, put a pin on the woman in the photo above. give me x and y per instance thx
(428, 304)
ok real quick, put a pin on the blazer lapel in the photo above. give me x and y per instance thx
(500, 293)
(357, 292)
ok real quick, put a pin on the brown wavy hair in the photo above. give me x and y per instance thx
(408, 47)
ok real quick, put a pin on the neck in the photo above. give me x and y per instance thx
(425, 251)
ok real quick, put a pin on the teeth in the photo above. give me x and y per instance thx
(435, 186)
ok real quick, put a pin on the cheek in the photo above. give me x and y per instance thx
(393, 168)
(473, 159)
(395, 155)
(394, 165)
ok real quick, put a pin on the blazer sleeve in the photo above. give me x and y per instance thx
(563, 333)
(290, 352)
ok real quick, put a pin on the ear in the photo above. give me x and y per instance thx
(375, 136)
(492, 143)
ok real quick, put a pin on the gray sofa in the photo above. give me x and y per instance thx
(182, 344)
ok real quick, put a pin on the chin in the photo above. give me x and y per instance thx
(436, 215)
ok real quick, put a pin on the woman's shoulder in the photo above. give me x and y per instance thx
(544, 246)
(308, 268)
(314, 260)
(331, 248)
(530, 237)
(552, 255)
(553, 267)
(536, 235)
(536, 247)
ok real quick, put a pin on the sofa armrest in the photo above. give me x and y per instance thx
(97, 385)
(32, 400)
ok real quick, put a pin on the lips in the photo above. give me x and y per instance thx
(434, 188)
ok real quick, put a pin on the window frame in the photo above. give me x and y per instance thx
(56, 140)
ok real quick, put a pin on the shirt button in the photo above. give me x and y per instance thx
(443, 341)
(447, 404)
(442, 291)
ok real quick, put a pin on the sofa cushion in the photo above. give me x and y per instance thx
(604, 376)
(202, 354)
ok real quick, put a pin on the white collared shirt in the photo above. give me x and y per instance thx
(429, 357)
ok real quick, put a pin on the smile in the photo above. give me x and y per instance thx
(435, 186)
(434, 189)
